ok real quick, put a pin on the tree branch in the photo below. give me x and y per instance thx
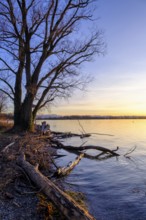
(1, 59)
(6, 82)
(12, 98)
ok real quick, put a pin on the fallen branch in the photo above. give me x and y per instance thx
(63, 171)
(68, 207)
(85, 135)
(69, 134)
(81, 148)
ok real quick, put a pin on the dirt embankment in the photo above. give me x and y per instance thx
(19, 199)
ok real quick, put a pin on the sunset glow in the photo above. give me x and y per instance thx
(119, 85)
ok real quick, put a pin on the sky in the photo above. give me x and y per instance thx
(119, 85)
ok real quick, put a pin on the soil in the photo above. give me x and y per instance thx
(19, 199)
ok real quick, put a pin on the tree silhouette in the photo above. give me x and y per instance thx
(41, 49)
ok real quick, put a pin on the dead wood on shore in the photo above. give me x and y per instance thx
(58, 144)
(38, 150)
(69, 208)
(63, 171)
(61, 135)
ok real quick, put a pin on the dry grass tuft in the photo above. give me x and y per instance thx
(47, 209)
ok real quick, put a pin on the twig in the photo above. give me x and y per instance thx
(7, 147)
(53, 163)
(58, 155)
(84, 132)
(102, 134)
(31, 192)
(116, 149)
(83, 143)
(130, 151)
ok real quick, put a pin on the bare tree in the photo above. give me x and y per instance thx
(42, 47)
(3, 102)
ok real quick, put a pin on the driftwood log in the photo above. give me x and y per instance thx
(63, 171)
(67, 206)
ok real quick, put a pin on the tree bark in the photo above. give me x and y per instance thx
(26, 113)
(17, 102)
(23, 117)
(69, 208)
(18, 85)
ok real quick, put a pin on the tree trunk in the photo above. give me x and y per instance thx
(17, 102)
(27, 120)
(17, 115)
(18, 85)
(23, 118)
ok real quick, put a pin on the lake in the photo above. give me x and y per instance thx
(115, 188)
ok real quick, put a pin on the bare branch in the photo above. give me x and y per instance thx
(8, 84)
(42, 48)
(12, 98)
(7, 65)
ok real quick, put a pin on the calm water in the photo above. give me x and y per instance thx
(115, 188)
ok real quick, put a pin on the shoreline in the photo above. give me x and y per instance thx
(18, 197)
(96, 118)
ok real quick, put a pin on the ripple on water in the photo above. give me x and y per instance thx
(115, 188)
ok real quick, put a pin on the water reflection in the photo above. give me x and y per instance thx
(115, 188)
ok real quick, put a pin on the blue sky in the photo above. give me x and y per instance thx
(119, 85)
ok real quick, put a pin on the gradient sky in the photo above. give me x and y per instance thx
(119, 85)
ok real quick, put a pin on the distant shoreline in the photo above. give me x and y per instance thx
(9, 117)
(89, 117)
